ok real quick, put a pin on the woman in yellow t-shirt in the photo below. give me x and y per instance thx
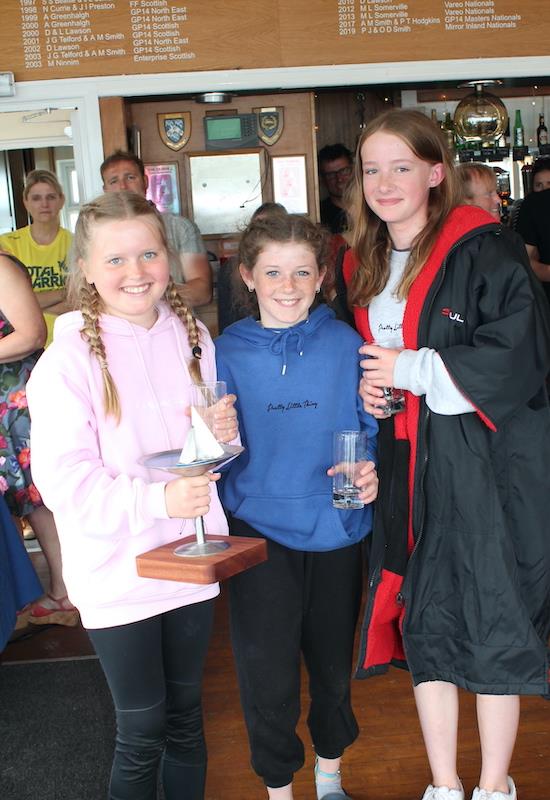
(43, 245)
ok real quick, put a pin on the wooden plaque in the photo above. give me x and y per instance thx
(242, 553)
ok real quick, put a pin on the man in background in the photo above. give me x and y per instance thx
(534, 226)
(123, 171)
(335, 169)
(479, 187)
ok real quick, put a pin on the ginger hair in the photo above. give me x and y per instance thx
(113, 207)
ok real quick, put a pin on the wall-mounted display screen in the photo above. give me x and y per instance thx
(230, 132)
(223, 127)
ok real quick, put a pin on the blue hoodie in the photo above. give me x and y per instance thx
(294, 388)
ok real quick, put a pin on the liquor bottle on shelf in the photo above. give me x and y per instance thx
(527, 177)
(434, 118)
(449, 130)
(542, 132)
(519, 133)
(504, 140)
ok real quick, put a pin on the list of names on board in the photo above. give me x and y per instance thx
(379, 17)
(58, 33)
(77, 38)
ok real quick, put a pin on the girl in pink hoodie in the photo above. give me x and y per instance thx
(112, 387)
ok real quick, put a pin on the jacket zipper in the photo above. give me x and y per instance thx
(373, 583)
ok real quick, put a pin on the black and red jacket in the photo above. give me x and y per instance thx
(459, 575)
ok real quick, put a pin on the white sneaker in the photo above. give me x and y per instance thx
(483, 794)
(443, 793)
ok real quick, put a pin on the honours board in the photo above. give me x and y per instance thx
(45, 39)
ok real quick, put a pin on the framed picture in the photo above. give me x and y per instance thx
(289, 183)
(163, 189)
(225, 189)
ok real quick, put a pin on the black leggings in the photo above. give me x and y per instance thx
(154, 671)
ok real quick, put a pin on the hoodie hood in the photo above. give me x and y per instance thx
(280, 341)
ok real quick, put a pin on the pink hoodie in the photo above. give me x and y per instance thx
(107, 507)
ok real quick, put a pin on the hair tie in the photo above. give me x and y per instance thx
(197, 352)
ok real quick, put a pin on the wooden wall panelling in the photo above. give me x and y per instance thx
(298, 135)
(46, 39)
(112, 111)
(339, 114)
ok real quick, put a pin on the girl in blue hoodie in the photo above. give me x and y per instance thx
(295, 372)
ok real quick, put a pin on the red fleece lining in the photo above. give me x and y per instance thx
(384, 642)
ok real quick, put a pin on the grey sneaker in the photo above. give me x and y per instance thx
(443, 793)
(483, 794)
(336, 796)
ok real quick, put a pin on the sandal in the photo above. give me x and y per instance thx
(61, 612)
(22, 618)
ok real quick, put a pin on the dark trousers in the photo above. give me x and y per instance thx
(295, 603)
(154, 671)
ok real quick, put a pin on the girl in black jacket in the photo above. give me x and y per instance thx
(460, 562)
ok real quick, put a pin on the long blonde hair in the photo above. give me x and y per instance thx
(110, 207)
(370, 237)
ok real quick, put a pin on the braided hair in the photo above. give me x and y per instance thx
(109, 207)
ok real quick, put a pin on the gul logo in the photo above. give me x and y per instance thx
(453, 315)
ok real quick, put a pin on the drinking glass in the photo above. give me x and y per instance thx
(394, 399)
(206, 395)
(348, 452)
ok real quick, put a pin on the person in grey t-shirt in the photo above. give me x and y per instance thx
(125, 171)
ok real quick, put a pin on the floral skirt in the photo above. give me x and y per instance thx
(20, 493)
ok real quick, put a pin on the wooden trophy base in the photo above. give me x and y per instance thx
(162, 563)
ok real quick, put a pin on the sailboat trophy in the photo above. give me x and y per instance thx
(205, 557)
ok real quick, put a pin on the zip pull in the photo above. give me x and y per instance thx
(399, 599)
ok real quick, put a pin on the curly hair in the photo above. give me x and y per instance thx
(282, 229)
(110, 207)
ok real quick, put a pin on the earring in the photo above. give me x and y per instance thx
(317, 290)
(250, 288)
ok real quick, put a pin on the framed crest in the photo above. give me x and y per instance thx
(175, 128)
(270, 123)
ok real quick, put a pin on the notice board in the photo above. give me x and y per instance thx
(48, 39)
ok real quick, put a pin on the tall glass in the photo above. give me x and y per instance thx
(348, 455)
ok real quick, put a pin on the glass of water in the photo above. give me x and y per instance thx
(394, 399)
(349, 453)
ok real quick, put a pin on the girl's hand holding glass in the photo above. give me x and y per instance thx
(217, 408)
(366, 480)
(189, 497)
(377, 376)
(225, 426)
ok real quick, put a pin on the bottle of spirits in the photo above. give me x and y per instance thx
(542, 132)
(527, 177)
(448, 129)
(519, 133)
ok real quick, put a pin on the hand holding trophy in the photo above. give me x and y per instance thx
(202, 451)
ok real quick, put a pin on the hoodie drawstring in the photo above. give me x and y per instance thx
(281, 342)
